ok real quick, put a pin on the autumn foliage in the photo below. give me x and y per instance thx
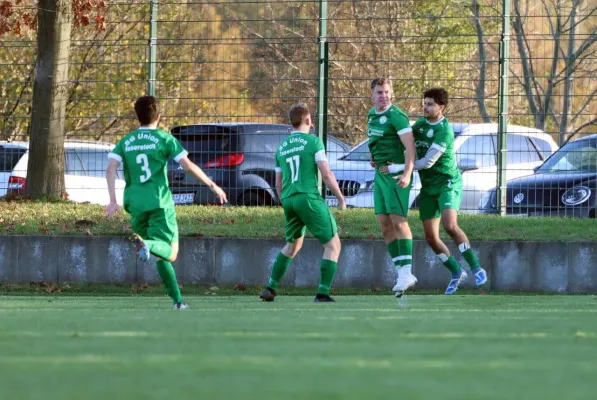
(16, 15)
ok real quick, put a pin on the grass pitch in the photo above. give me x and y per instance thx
(227, 347)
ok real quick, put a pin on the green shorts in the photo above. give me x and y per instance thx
(308, 211)
(432, 204)
(388, 197)
(157, 224)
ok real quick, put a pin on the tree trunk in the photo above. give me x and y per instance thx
(45, 170)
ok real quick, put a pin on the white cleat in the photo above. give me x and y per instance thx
(403, 283)
(180, 306)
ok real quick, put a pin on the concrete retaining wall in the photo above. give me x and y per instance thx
(512, 266)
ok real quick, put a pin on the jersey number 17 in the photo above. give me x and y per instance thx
(294, 162)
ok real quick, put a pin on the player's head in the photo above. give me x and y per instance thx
(381, 93)
(435, 101)
(299, 114)
(147, 109)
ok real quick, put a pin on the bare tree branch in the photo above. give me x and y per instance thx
(480, 86)
(584, 105)
(528, 73)
(583, 126)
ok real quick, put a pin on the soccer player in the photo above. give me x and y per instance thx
(441, 186)
(391, 143)
(298, 159)
(144, 154)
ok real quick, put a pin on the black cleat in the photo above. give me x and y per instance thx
(323, 298)
(268, 294)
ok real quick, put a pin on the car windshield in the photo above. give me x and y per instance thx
(361, 151)
(580, 155)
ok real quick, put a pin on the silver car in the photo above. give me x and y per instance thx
(476, 149)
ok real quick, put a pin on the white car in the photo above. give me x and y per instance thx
(85, 170)
(476, 154)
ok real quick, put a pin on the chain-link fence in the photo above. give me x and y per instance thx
(226, 73)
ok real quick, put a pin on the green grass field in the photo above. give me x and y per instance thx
(66, 218)
(421, 347)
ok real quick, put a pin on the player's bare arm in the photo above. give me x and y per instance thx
(409, 157)
(113, 206)
(330, 181)
(279, 183)
(198, 173)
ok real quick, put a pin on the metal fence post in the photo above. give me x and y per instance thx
(322, 80)
(153, 39)
(503, 108)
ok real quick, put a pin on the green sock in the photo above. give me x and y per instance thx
(394, 251)
(280, 266)
(328, 270)
(159, 248)
(469, 255)
(168, 276)
(405, 248)
(450, 263)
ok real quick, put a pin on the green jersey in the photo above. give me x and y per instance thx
(383, 129)
(440, 136)
(297, 158)
(144, 154)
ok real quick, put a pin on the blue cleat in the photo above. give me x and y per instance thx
(480, 276)
(455, 282)
(142, 249)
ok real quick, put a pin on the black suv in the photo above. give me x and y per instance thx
(239, 157)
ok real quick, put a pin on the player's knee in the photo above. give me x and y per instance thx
(292, 248)
(173, 253)
(333, 246)
(451, 227)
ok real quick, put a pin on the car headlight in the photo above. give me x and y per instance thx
(484, 202)
(576, 195)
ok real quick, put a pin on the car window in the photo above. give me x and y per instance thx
(580, 155)
(480, 148)
(94, 162)
(264, 142)
(334, 150)
(520, 150)
(73, 163)
(543, 146)
(9, 157)
(359, 153)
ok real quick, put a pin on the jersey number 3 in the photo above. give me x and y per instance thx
(144, 162)
(294, 162)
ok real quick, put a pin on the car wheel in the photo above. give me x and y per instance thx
(255, 199)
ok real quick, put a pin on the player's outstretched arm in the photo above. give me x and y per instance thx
(198, 173)
(330, 181)
(113, 206)
(433, 154)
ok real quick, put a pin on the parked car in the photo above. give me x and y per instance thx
(476, 149)
(239, 157)
(85, 170)
(564, 186)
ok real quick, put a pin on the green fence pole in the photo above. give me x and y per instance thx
(503, 108)
(322, 77)
(153, 39)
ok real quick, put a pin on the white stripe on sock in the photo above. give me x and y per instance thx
(400, 258)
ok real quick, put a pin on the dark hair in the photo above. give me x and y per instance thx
(380, 82)
(297, 114)
(439, 95)
(147, 109)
